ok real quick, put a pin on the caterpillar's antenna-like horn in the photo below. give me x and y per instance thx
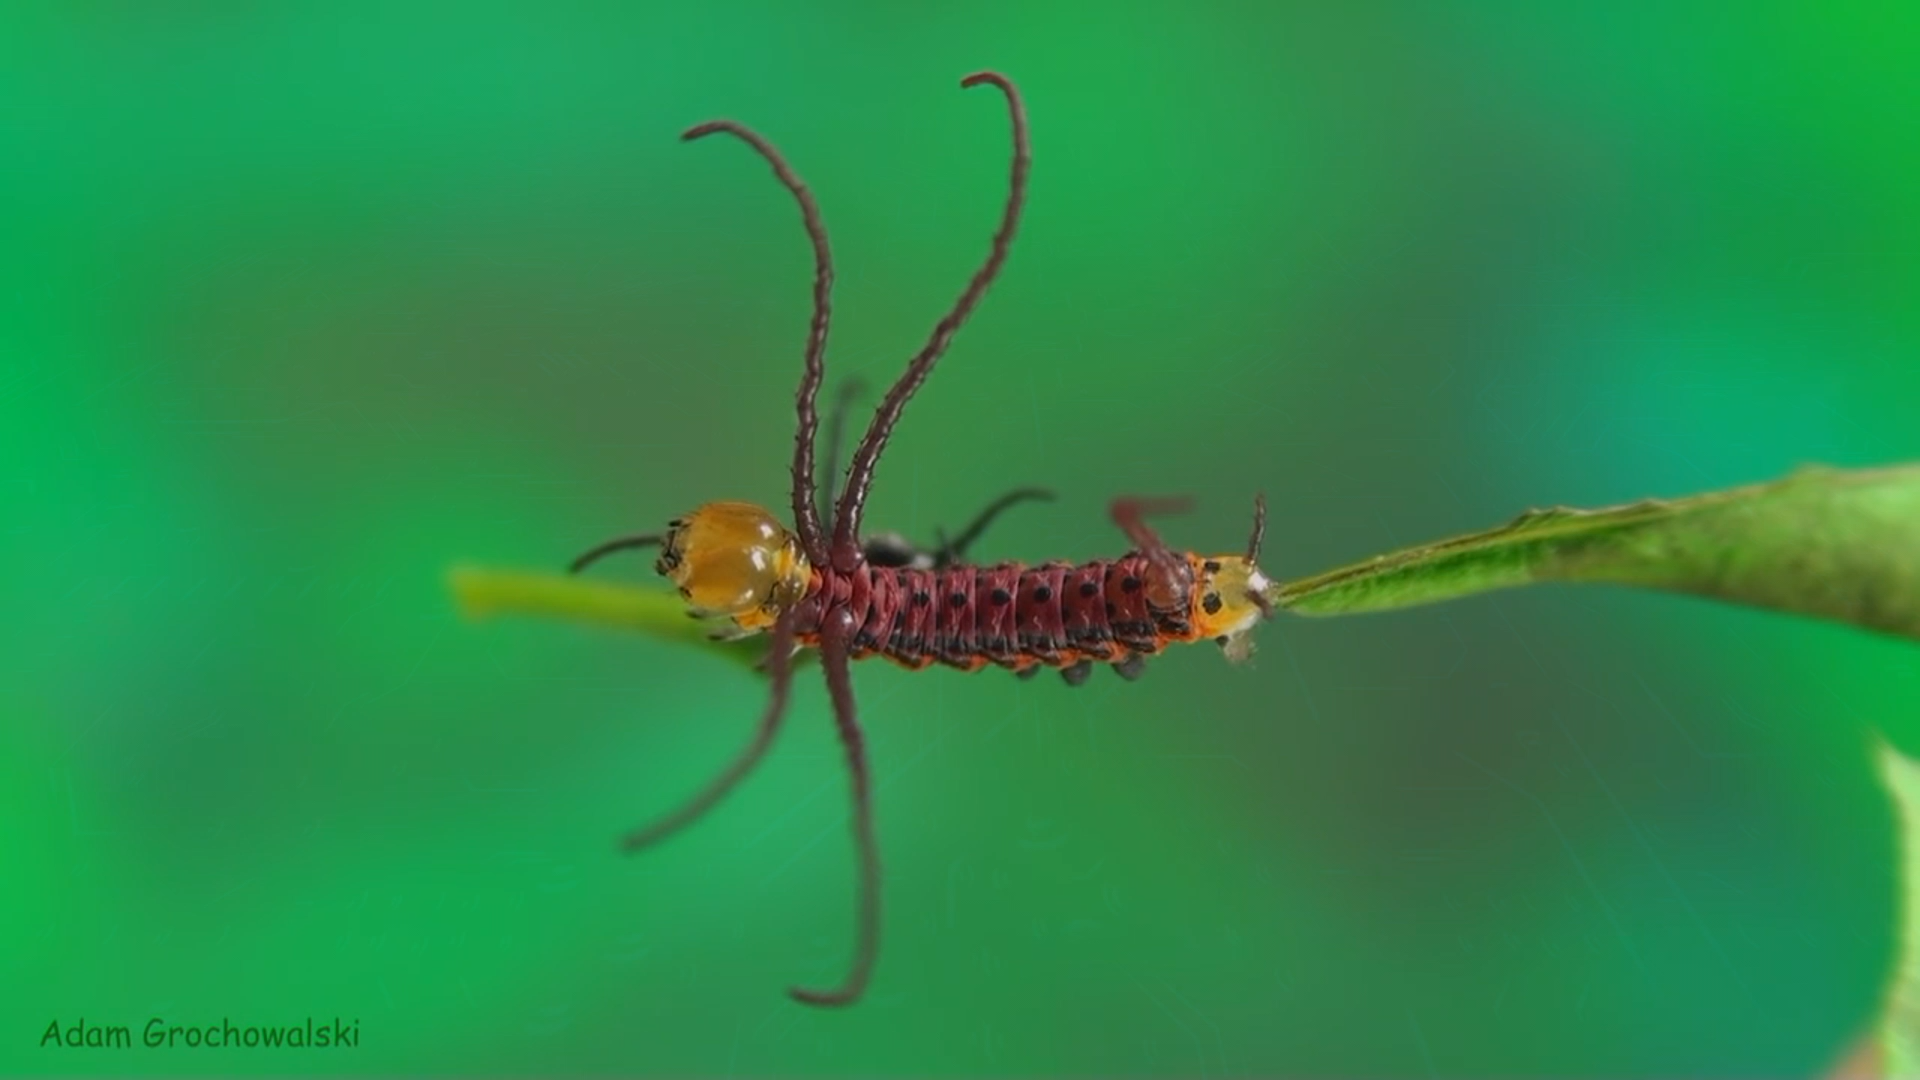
(853, 501)
(806, 519)
(1259, 527)
(1260, 599)
(621, 543)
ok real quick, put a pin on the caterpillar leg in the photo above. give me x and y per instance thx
(1169, 577)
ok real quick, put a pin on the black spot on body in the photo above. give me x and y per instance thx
(958, 599)
(1129, 584)
(1043, 594)
(1211, 603)
(921, 599)
(1001, 596)
(1088, 588)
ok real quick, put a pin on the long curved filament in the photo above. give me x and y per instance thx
(952, 551)
(846, 524)
(806, 519)
(780, 672)
(834, 661)
(620, 543)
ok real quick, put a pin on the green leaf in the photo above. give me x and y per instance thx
(1824, 542)
(1893, 1047)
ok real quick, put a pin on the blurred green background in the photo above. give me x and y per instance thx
(301, 304)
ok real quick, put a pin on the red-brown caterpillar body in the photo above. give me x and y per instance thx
(825, 585)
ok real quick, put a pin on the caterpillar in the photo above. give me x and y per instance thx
(820, 584)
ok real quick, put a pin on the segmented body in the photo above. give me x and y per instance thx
(1009, 614)
(824, 584)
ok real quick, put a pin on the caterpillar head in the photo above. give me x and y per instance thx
(733, 559)
(1230, 597)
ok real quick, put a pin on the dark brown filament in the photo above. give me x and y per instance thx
(846, 524)
(952, 551)
(835, 638)
(618, 544)
(779, 665)
(1167, 583)
(806, 519)
(1253, 552)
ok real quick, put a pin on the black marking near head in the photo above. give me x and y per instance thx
(1211, 603)
(890, 551)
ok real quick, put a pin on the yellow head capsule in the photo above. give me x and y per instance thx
(734, 559)
(1228, 595)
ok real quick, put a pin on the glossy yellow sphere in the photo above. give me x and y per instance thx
(732, 559)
